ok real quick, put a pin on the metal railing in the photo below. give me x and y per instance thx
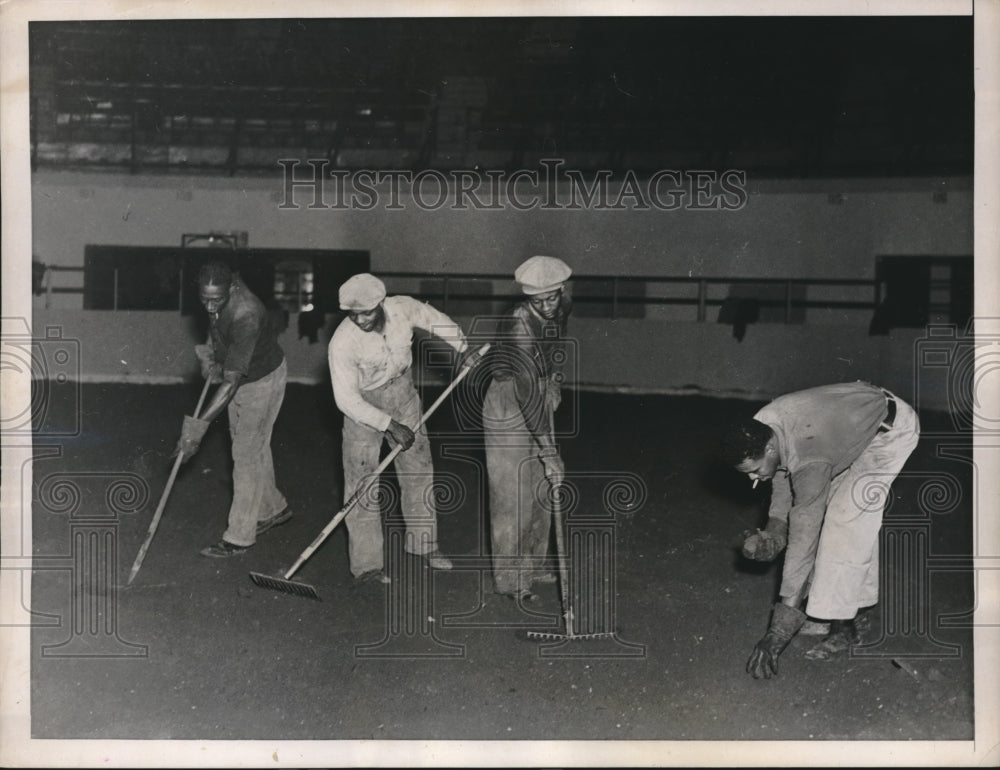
(615, 292)
(617, 296)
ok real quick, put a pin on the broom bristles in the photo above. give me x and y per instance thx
(285, 586)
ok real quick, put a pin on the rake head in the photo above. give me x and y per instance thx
(284, 585)
(547, 636)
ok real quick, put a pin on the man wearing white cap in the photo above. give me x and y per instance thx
(370, 356)
(518, 415)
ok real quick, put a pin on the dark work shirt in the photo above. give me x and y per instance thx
(244, 336)
(528, 345)
(528, 349)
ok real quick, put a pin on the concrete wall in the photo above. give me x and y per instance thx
(786, 228)
(627, 355)
(791, 229)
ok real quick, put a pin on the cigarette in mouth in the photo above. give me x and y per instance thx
(754, 483)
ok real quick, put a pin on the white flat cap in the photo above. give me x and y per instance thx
(538, 275)
(361, 292)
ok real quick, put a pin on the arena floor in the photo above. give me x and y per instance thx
(193, 650)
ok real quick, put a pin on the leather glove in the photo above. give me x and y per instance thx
(192, 432)
(399, 434)
(785, 623)
(210, 370)
(765, 544)
(555, 471)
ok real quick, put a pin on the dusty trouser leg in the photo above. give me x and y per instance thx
(361, 446)
(252, 413)
(846, 573)
(414, 470)
(519, 520)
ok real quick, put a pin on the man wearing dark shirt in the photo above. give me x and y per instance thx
(831, 454)
(518, 414)
(244, 357)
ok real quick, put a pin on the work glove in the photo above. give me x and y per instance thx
(192, 432)
(555, 471)
(210, 370)
(765, 544)
(399, 434)
(785, 623)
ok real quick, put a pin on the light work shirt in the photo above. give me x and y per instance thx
(363, 361)
(820, 432)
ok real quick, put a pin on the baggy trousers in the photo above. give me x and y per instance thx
(520, 516)
(414, 471)
(252, 412)
(846, 572)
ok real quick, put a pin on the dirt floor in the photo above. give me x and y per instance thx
(193, 650)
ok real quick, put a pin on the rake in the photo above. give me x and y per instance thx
(570, 635)
(284, 582)
(564, 595)
(163, 499)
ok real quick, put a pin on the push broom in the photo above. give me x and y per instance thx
(137, 564)
(288, 586)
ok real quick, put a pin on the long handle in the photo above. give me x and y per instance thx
(374, 475)
(557, 522)
(163, 498)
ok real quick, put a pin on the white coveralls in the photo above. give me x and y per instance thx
(373, 385)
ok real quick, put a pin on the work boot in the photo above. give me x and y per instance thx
(843, 634)
(437, 560)
(815, 628)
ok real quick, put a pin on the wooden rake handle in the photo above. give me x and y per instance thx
(558, 524)
(373, 477)
(163, 499)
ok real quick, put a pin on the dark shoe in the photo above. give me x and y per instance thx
(373, 576)
(279, 518)
(223, 549)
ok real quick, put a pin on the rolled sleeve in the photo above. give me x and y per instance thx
(810, 487)
(430, 319)
(781, 496)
